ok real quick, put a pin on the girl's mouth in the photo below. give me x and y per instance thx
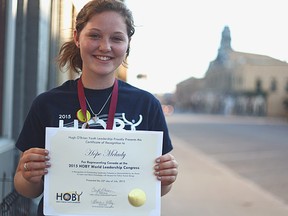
(103, 58)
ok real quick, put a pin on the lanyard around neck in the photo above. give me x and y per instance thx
(113, 103)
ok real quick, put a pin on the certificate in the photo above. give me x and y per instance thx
(102, 172)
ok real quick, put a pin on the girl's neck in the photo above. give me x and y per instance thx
(97, 82)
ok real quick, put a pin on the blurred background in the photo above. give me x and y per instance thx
(220, 71)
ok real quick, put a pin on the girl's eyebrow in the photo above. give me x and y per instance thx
(96, 29)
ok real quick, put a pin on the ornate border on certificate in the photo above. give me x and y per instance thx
(102, 172)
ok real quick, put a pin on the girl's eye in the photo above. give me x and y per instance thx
(94, 36)
(117, 39)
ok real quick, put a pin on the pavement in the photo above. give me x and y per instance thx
(205, 187)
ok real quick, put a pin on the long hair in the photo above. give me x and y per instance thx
(69, 53)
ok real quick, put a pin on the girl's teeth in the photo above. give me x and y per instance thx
(103, 58)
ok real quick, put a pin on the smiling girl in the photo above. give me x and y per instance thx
(97, 99)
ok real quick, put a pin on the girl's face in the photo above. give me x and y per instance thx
(103, 43)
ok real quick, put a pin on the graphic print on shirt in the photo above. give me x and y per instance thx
(120, 122)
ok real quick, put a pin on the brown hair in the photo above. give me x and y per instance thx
(70, 53)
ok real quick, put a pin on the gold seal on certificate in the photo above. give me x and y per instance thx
(137, 197)
(102, 172)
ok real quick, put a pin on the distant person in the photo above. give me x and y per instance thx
(229, 105)
(101, 43)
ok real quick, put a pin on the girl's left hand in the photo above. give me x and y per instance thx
(166, 169)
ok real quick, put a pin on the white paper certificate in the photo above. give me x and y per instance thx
(102, 172)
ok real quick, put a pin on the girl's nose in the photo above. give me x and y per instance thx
(105, 45)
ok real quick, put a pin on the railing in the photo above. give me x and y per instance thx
(5, 187)
(14, 204)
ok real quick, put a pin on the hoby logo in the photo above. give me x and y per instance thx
(68, 197)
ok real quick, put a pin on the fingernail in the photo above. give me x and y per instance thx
(157, 160)
(48, 164)
(156, 167)
(156, 173)
(47, 157)
(45, 171)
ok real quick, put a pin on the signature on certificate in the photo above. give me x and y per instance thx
(102, 192)
(102, 204)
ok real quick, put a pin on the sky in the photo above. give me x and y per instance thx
(176, 40)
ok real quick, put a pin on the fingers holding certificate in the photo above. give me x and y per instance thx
(106, 172)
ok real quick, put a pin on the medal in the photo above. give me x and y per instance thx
(81, 117)
(82, 101)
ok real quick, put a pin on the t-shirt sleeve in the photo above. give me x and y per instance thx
(159, 124)
(33, 132)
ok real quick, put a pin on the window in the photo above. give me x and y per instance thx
(258, 85)
(2, 50)
(273, 85)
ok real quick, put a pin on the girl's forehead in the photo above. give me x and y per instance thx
(107, 17)
(108, 20)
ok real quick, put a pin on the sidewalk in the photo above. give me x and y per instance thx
(205, 187)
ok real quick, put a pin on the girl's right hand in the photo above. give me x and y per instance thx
(33, 164)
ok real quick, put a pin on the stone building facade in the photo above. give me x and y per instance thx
(237, 83)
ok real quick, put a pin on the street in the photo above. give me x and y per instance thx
(228, 165)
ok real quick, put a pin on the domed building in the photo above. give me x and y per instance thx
(237, 83)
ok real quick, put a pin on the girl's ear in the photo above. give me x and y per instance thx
(76, 38)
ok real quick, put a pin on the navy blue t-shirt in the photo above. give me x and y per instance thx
(136, 110)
